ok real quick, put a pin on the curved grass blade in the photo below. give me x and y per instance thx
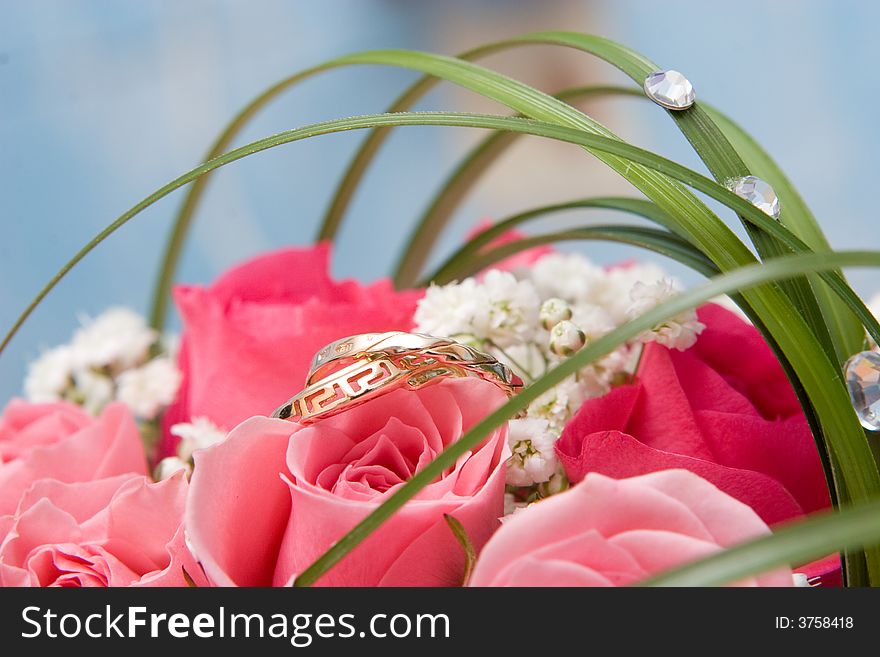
(725, 163)
(158, 313)
(848, 331)
(457, 185)
(737, 280)
(659, 241)
(627, 60)
(799, 542)
(183, 219)
(450, 269)
(374, 140)
(701, 226)
(724, 251)
(709, 142)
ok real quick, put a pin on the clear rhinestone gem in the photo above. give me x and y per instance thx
(670, 89)
(758, 193)
(863, 380)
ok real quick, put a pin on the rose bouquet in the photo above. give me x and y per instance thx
(518, 416)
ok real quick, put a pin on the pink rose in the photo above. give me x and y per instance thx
(120, 531)
(604, 532)
(722, 409)
(61, 441)
(274, 495)
(248, 339)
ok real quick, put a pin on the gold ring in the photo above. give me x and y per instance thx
(349, 349)
(378, 363)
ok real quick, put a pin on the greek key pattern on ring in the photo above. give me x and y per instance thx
(410, 362)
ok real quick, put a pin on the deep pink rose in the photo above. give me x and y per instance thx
(119, 531)
(517, 261)
(61, 441)
(604, 532)
(722, 409)
(271, 498)
(248, 339)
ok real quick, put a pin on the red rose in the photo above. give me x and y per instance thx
(722, 409)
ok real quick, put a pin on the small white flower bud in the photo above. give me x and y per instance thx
(199, 433)
(566, 338)
(553, 311)
(556, 484)
(168, 466)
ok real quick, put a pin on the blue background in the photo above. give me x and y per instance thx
(101, 102)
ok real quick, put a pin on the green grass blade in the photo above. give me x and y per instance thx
(709, 141)
(158, 313)
(845, 325)
(798, 542)
(649, 174)
(738, 280)
(628, 61)
(456, 186)
(659, 241)
(725, 162)
(724, 249)
(450, 269)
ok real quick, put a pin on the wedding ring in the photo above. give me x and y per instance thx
(346, 350)
(369, 365)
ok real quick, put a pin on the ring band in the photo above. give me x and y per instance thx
(372, 364)
(347, 350)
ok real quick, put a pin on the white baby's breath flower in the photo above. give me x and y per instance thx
(511, 507)
(169, 466)
(532, 459)
(680, 332)
(147, 389)
(199, 433)
(555, 485)
(513, 309)
(593, 320)
(93, 390)
(499, 308)
(509, 503)
(170, 343)
(49, 376)
(525, 359)
(592, 381)
(620, 363)
(568, 276)
(613, 295)
(452, 310)
(557, 405)
(118, 338)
